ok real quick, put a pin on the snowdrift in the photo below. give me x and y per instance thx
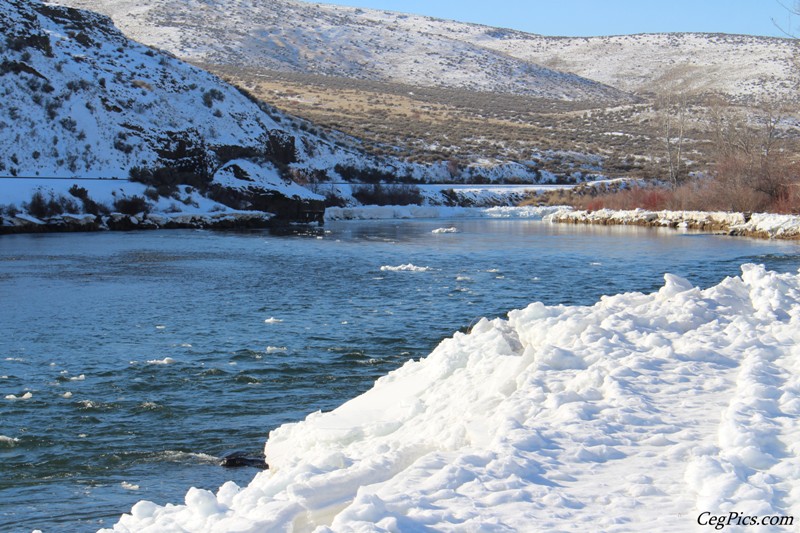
(637, 413)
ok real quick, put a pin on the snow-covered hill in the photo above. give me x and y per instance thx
(740, 66)
(380, 45)
(341, 41)
(80, 100)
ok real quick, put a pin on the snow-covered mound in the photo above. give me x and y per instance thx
(241, 174)
(637, 413)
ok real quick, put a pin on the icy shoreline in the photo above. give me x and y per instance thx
(757, 225)
(761, 225)
(597, 417)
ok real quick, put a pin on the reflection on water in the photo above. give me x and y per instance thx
(147, 355)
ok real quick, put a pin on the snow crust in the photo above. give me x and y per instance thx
(634, 414)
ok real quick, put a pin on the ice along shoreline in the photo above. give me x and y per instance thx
(756, 225)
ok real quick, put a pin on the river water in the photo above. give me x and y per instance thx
(130, 362)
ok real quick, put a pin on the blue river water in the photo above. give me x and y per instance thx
(130, 362)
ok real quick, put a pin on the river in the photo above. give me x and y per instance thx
(130, 362)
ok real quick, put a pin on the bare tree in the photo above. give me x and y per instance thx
(672, 105)
(751, 161)
(793, 10)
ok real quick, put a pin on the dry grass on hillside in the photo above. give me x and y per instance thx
(435, 124)
(426, 124)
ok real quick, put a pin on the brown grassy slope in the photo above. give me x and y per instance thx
(427, 124)
(433, 124)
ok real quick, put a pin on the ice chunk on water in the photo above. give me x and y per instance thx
(409, 267)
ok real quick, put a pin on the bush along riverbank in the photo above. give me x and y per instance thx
(759, 225)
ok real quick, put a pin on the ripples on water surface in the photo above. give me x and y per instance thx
(147, 355)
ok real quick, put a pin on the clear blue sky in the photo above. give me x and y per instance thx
(604, 17)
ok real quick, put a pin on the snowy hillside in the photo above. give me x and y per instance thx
(340, 41)
(643, 412)
(737, 65)
(80, 99)
(379, 45)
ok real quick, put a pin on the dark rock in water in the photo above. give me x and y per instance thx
(239, 459)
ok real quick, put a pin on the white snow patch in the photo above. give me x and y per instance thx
(264, 176)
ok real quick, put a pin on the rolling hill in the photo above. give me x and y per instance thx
(311, 38)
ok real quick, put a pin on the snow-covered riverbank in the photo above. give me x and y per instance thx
(637, 413)
(763, 225)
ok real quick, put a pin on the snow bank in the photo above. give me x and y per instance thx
(637, 413)
(757, 225)
(772, 226)
(642, 217)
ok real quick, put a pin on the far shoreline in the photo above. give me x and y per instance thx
(755, 225)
